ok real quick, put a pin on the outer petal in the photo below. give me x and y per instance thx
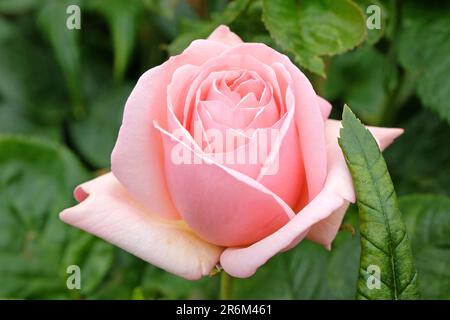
(137, 158)
(224, 35)
(385, 136)
(243, 262)
(107, 211)
(325, 107)
(285, 161)
(325, 231)
(222, 205)
(326, 208)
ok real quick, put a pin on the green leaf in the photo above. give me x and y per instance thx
(297, 274)
(133, 278)
(360, 78)
(23, 60)
(384, 240)
(425, 26)
(94, 257)
(36, 183)
(428, 223)
(310, 272)
(95, 135)
(202, 29)
(419, 160)
(314, 28)
(169, 17)
(122, 279)
(51, 19)
(159, 284)
(14, 120)
(251, 27)
(26, 107)
(17, 6)
(164, 8)
(427, 220)
(123, 19)
(343, 262)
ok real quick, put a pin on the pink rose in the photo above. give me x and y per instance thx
(180, 197)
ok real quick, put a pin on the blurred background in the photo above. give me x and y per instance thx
(62, 92)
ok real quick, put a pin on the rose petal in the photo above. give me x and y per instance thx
(243, 262)
(137, 158)
(325, 231)
(218, 64)
(385, 136)
(107, 211)
(326, 208)
(338, 177)
(325, 107)
(283, 171)
(224, 35)
(308, 113)
(222, 205)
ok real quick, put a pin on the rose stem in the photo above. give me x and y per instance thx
(226, 286)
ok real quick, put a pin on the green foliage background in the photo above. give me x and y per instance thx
(61, 99)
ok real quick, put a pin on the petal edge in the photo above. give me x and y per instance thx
(110, 213)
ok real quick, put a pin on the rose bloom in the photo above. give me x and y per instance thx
(187, 216)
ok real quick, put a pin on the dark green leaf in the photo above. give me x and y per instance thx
(14, 120)
(384, 240)
(36, 183)
(28, 73)
(251, 27)
(427, 219)
(343, 263)
(420, 159)
(360, 78)
(309, 271)
(423, 49)
(92, 255)
(122, 279)
(52, 19)
(17, 6)
(158, 284)
(314, 28)
(122, 18)
(170, 16)
(95, 135)
(202, 29)
(297, 274)
(165, 8)
(20, 61)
